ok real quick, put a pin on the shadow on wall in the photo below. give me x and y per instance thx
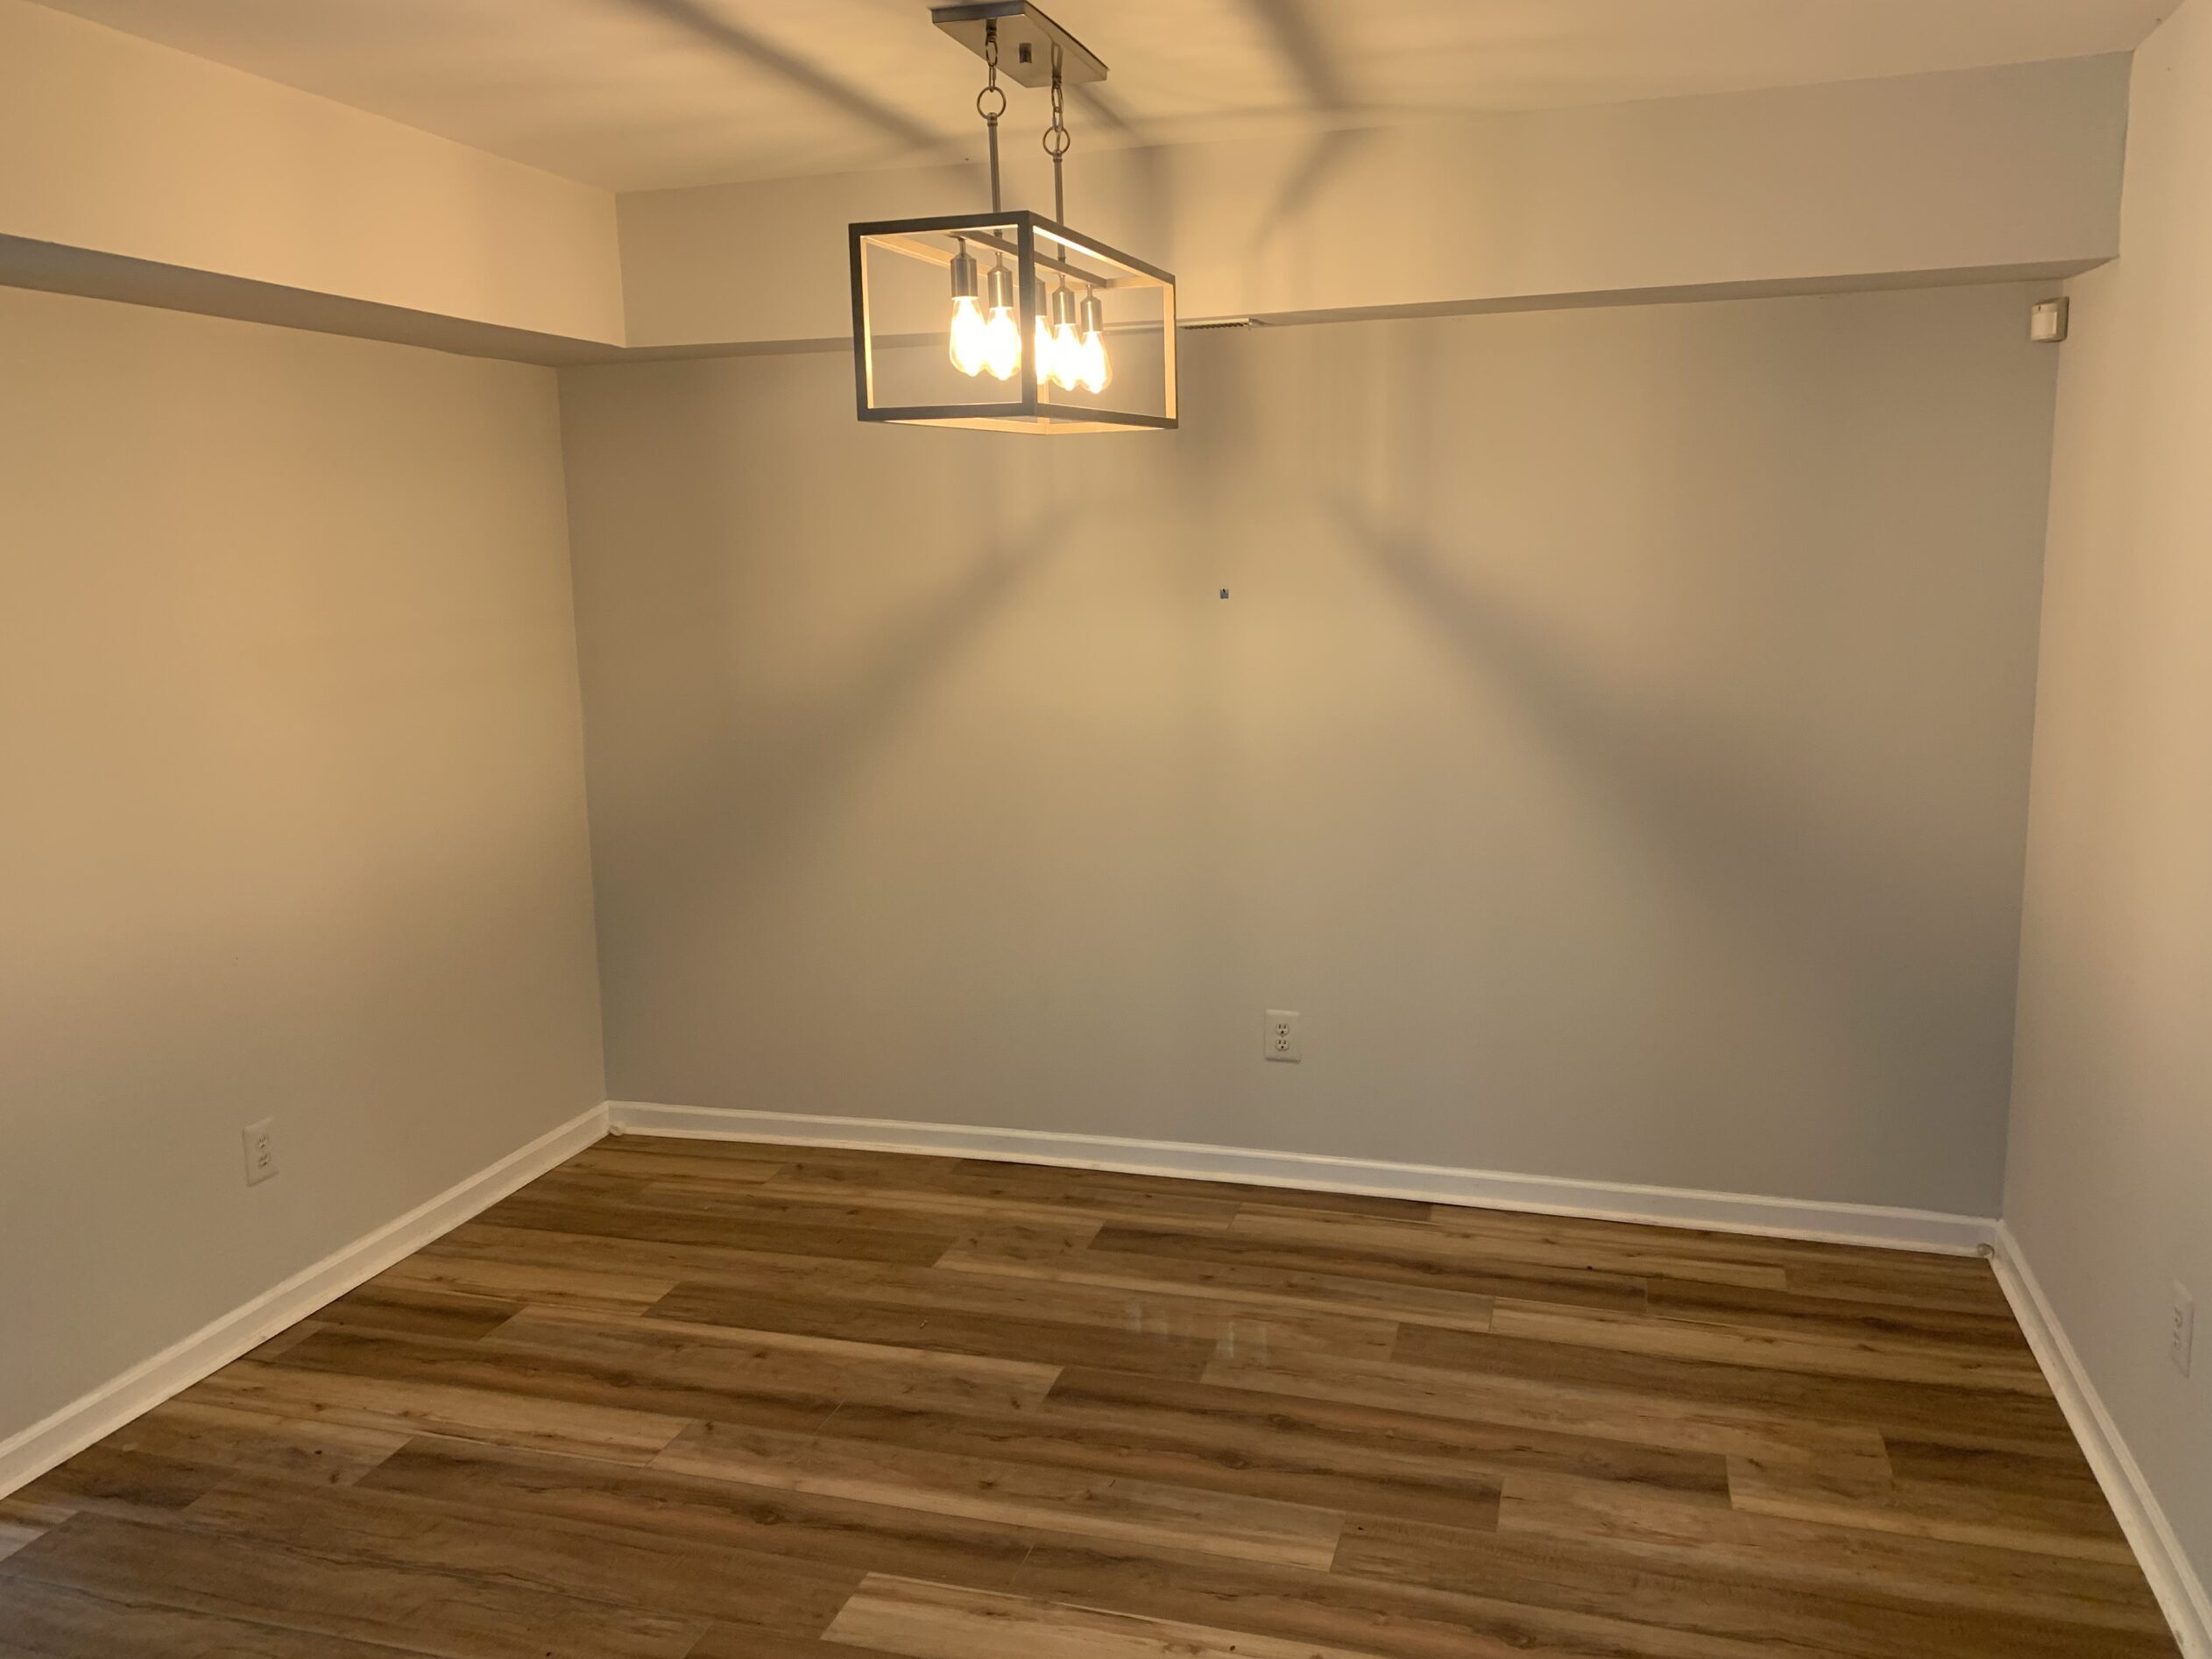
(1309, 61)
(1550, 681)
(1327, 154)
(1811, 892)
(723, 832)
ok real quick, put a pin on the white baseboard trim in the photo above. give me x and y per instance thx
(2180, 1592)
(26, 1454)
(1434, 1184)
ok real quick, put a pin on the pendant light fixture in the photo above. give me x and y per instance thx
(1034, 339)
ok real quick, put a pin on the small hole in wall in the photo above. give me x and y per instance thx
(1224, 593)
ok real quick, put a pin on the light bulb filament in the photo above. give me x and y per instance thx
(1002, 343)
(1094, 368)
(969, 348)
(1067, 357)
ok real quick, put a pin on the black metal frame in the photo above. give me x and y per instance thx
(1028, 411)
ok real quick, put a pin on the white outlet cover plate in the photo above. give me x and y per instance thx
(2183, 1336)
(261, 1154)
(1280, 1038)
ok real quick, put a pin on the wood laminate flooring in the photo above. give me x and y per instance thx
(688, 1398)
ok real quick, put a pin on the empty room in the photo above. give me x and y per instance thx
(1105, 828)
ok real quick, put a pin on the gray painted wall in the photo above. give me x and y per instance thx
(1615, 744)
(294, 819)
(2110, 1185)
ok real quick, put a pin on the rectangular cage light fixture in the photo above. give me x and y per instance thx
(1008, 321)
(1064, 335)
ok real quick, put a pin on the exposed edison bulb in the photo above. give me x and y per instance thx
(1002, 343)
(966, 337)
(1067, 357)
(1097, 372)
(969, 331)
(1040, 350)
(1001, 333)
(1094, 368)
(1063, 349)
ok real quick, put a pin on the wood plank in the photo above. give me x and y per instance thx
(1476, 1276)
(284, 1339)
(478, 1241)
(867, 1164)
(1052, 1179)
(1871, 1263)
(1793, 1312)
(654, 1159)
(299, 1587)
(571, 1184)
(408, 1406)
(665, 1225)
(1041, 1498)
(1146, 1308)
(846, 1203)
(1989, 1411)
(1700, 1601)
(58, 1621)
(1130, 1197)
(2058, 1472)
(23, 1519)
(2082, 1530)
(1370, 1444)
(691, 1370)
(1939, 1283)
(654, 1503)
(418, 1310)
(552, 1282)
(732, 1376)
(1839, 1560)
(943, 1621)
(112, 1479)
(1509, 1248)
(1337, 1610)
(1683, 1424)
(737, 1641)
(317, 1452)
(670, 1576)
(1077, 1262)
(937, 1330)
(1969, 1366)
(1203, 1449)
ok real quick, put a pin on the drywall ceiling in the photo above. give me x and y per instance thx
(649, 94)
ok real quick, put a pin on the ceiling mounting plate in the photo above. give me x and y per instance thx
(1026, 39)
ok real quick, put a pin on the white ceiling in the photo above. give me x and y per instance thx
(645, 94)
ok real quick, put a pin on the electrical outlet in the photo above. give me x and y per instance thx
(2182, 1337)
(1282, 1038)
(261, 1151)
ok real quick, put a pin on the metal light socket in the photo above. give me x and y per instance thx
(963, 275)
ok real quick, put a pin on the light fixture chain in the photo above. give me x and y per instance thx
(991, 104)
(1056, 140)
